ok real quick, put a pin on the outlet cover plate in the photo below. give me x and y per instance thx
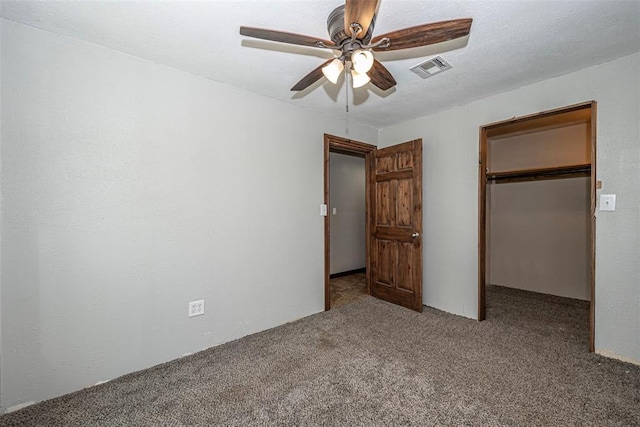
(607, 202)
(196, 308)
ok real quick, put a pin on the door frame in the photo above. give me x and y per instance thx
(522, 123)
(335, 144)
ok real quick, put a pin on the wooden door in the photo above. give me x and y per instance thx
(396, 217)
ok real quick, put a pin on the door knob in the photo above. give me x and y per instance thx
(415, 235)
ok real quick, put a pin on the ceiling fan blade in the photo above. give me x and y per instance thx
(284, 37)
(380, 76)
(361, 11)
(311, 78)
(426, 34)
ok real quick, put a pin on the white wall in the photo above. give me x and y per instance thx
(451, 193)
(347, 180)
(538, 236)
(129, 189)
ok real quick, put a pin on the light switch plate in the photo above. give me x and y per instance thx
(607, 202)
(323, 209)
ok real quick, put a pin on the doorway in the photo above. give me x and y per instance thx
(347, 213)
(393, 229)
(353, 279)
(537, 204)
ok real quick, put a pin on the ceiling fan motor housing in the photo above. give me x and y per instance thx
(335, 26)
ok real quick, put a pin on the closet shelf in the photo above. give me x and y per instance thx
(558, 172)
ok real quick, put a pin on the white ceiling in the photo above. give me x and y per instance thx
(512, 43)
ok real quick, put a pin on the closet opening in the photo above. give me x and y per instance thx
(536, 217)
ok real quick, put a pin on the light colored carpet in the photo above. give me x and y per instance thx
(374, 363)
(346, 289)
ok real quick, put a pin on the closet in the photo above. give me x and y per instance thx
(536, 204)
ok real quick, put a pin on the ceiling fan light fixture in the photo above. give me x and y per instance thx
(359, 79)
(332, 70)
(362, 60)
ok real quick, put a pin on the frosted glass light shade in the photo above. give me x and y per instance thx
(362, 60)
(359, 79)
(332, 70)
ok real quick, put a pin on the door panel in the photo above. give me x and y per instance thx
(405, 203)
(384, 164)
(384, 260)
(397, 224)
(404, 280)
(383, 207)
(405, 160)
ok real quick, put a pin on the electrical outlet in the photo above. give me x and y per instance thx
(196, 308)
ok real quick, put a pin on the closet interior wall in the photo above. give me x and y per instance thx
(538, 227)
(347, 210)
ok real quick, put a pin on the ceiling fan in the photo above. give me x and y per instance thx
(350, 29)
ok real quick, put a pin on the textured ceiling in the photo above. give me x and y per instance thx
(512, 43)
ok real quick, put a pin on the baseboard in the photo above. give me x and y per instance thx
(348, 273)
(612, 355)
(536, 292)
(18, 407)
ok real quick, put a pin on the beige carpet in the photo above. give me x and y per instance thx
(346, 289)
(373, 363)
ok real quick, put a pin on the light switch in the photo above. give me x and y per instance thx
(607, 202)
(323, 209)
(335, 211)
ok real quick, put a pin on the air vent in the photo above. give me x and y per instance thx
(431, 67)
